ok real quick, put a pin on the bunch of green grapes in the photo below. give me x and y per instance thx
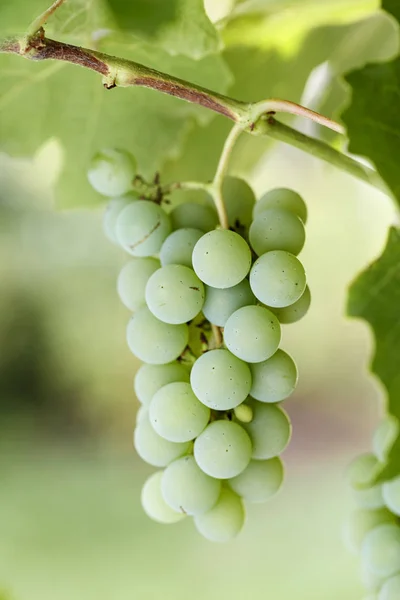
(373, 529)
(208, 304)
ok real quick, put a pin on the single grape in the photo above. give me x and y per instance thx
(150, 378)
(274, 379)
(220, 380)
(175, 294)
(380, 551)
(277, 279)
(391, 495)
(193, 215)
(223, 450)
(252, 333)
(219, 303)
(370, 580)
(187, 489)
(360, 475)
(111, 172)
(384, 437)
(224, 521)
(282, 198)
(361, 522)
(296, 311)
(277, 229)
(142, 227)
(221, 258)
(112, 211)
(270, 430)
(390, 589)
(132, 280)
(176, 414)
(178, 247)
(154, 504)
(239, 200)
(260, 480)
(153, 341)
(243, 413)
(154, 449)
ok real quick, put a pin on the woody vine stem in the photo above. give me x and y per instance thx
(257, 118)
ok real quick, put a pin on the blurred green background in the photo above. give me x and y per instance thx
(71, 525)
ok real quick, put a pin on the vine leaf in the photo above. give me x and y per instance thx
(375, 297)
(177, 26)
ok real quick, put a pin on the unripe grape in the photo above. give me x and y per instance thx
(112, 171)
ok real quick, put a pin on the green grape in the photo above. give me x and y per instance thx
(370, 580)
(221, 258)
(360, 522)
(277, 229)
(384, 437)
(187, 489)
(193, 215)
(113, 209)
(132, 280)
(224, 521)
(141, 414)
(176, 414)
(282, 198)
(154, 504)
(142, 227)
(391, 495)
(360, 475)
(153, 341)
(274, 379)
(150, 378)
(260, 480)
(239, 200)
(175, 294)
(243, 413)
(252, 333)
(270, 430)
(277, 279)
(154, 449)
(111, 172)
(221, 303)
(296, 311)
(223, 449)
(220, 380)
(390, 589)
(178, 247)
(380, 551)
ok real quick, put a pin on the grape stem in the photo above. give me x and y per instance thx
(256, 118)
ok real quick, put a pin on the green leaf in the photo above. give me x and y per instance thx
(393, 7)
(177, 26)
(375, 297)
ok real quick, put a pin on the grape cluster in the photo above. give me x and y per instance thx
(373, 529)
(207, 307)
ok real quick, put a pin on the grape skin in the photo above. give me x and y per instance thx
(260, 480)
(223, 450)
(390, 589)
(360, 474)
(111, 213)
(277, 229)
(132, 280)
(178, 247)
(176, 414)
(186, 488)
(154, 449)
(239, 201)
(111, 172)
(174, 294)
(360, 522)
(282, 198)
(380, 551)
(296, 311)
(384, 437)
(252, 333)
(277, 279)
(221, 258)
(194, 216)
(219, 303)
(224, 521)
(154, 504)
(270, 430)
(391, 495)
(142, 228)
(153, 341)
(220, 380)
(150, 378)
(274, 379)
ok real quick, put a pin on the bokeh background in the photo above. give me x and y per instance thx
(71, 525)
